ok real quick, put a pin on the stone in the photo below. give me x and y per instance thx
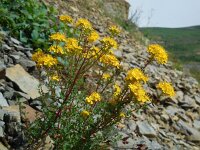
(146, 129)
(29, 114)
(26, 83)
(1, 132)
(2, 70)
(15, 57)
(29, 64)
(196, 124)
(15, 41)
(47, 145)
(12, 114)
(187, 102)
(3, 101)
(191, 133)
(197, 99)
(2, 147)
(6, 47)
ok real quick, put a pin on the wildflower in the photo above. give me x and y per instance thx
(66, 19)
(93, 36)
(72, 46)
(85, 113)
(83, 24)
(110, 59)
(117, 90)
(94, 97)
(122, 115)
(139, 92)
(108, 43)
(166, 88)
(56, 49)
(106, 76)
(38, 54)
(55, 78)
(58, 37)
(136, 74)
(93, 52)
(158, 53)
(46, 60)
(114, 30)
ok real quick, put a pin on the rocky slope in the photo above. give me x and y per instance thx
(172, 124)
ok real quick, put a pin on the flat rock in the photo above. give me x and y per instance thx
(12, 114)
(146, 129)
(3, 101)
(2, 147)
(26, 83)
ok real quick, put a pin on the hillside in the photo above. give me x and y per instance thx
(182, 43)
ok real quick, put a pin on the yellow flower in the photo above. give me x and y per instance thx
(93, 52)
(83, 24)
(108, 43)
(38, 54)
(85, 113)
(136, 74)
(106, 76)
(166, 88)
(93, 37)
(47, 61)
(139, 92)
(72, 46)
(55, 78)
(158, 53)
(66, 19)
(122, 115)
(56, 49)
(58, 37)
(114, 30)
(94, 97)
(110, 60)
(117, 90)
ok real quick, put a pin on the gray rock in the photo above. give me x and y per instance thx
(196, 124)
(3, 101)
(27, 83)
(179, 95)
(30, 65)
(146, 129)
(15, 57)
(15, 41)
(1, 132)
(19, 47)
(197, 99)
(6, 47)
(12, 114)
(2, 70)
(187, 102)
(191, 133)
(171, 110)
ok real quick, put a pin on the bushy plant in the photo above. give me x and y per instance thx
(27, 20)
(87, 87)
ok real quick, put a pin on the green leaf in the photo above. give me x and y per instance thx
(35, 34)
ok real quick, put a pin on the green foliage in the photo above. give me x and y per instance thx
(27, 20)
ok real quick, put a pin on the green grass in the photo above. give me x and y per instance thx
(182, 43)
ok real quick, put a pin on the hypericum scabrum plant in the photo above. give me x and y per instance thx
(87, 94)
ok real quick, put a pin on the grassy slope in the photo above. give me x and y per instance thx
(183, 43)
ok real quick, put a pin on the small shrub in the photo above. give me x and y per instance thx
(87, 87)
(27, 20)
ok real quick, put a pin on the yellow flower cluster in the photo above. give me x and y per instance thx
(58, 37)
(166, 88)
(106, 76)
(117, 90)
(139, 92)
(93, 36)
(122, 115)
(93, 52)
(44, 59)
(158, 53)
(108, 42)
(85, 113)
(66, 19)
(136, 74)
(56, 49)
(83, 24)
(114, 30)
(72, 46)
(55, 77)
(94, 97)
(110, 59)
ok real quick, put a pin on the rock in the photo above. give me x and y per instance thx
(19, 47)
(15, 57)
(3, 101)
(30, 65)
(12, 114)
(1, 132)
(179, 95)
(118, 54)
(47, 145)
(6, 47)
(191, 133)
(197, 99)
(29, 114)
(15, 41)
(2, 70)
(27, 83)
(196, 124)
(145, 129)
(2, 147)
(187, 102)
